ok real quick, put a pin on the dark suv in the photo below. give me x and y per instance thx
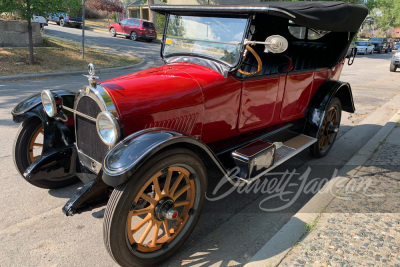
(381, 44)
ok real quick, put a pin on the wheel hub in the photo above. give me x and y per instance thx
(330, 129)
(165, 210)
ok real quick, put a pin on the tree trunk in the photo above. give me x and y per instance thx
(28, 9)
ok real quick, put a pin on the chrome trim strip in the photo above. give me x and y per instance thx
(226, 8)
(79, 113)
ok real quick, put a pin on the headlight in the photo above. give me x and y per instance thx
(107, 128)
(49, 103)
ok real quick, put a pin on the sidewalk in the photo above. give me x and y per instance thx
(359, 226)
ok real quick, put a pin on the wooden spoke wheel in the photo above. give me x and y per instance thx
(148, 218)
(328, 129)
(28, 146)
(36, 144)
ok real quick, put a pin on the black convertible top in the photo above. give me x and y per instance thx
(328, 16)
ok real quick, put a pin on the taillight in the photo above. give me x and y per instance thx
(142, 29)
(68, 17)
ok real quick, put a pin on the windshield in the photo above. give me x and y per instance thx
(362, 43)
(218, 38)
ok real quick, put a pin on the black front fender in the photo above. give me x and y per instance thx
(32, 105)
(320, 100)
(125, 158)
(55, 163)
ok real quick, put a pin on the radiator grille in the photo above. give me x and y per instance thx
(88, 140)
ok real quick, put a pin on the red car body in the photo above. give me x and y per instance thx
(202, 102)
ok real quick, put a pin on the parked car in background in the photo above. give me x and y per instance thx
(381, 44)
(42, 21)
(134, 29)
(244, 89)
(365, 47)
(63, 19)
(396, 46)
(395, 62)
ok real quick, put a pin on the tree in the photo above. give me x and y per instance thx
(109, 6)
(26, 8)
(387, 14)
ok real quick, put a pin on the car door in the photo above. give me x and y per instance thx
(118, 27)
(259, 101)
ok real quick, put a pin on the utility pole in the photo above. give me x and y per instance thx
(83, 28)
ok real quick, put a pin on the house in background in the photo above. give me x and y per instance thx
(140, 8)
(396, 33)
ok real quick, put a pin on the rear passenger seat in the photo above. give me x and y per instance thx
(309, 55)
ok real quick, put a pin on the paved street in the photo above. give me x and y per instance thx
(34, 231)
(143, 49)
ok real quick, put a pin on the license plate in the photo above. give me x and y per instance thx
(151, 31)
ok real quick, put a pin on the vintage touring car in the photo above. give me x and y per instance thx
(244, 87)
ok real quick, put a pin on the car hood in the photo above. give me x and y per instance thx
(158, 89)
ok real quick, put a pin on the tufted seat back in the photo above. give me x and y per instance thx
(309, 55)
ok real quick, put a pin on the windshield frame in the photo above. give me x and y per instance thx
(241, 44)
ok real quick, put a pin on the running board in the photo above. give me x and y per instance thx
(258, 158)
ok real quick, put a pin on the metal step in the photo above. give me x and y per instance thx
(285, 145)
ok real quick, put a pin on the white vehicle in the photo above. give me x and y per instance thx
(365, 47)
(42, 21)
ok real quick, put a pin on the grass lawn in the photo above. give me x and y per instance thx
(58, 56)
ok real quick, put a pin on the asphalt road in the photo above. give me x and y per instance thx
(34, 231)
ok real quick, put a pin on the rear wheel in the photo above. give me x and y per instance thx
(328, 130)
(133, 36)
(62, 22)
(28, 146)
(112, 32)
(149, 217)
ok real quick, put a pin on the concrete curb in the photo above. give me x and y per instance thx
(61, 74)
(276, 249)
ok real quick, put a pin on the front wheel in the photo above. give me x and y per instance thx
(149, 217)
(133, 36)
(62, 22)
(328, 129)
(392, 67)
(28, 146)
(112, 32)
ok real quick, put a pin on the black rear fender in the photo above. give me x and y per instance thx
(122, 161)
(318, 103)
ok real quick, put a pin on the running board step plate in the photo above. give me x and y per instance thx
(261, 156)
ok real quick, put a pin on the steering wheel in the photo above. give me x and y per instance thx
(259, 63)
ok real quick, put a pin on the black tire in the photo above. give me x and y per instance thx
(393, 67)
(62, 22)
(22, 159)
(379, 50)
(387, 50)
(116, 217)
(133, 36)
(112, 32)
(326, 137)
